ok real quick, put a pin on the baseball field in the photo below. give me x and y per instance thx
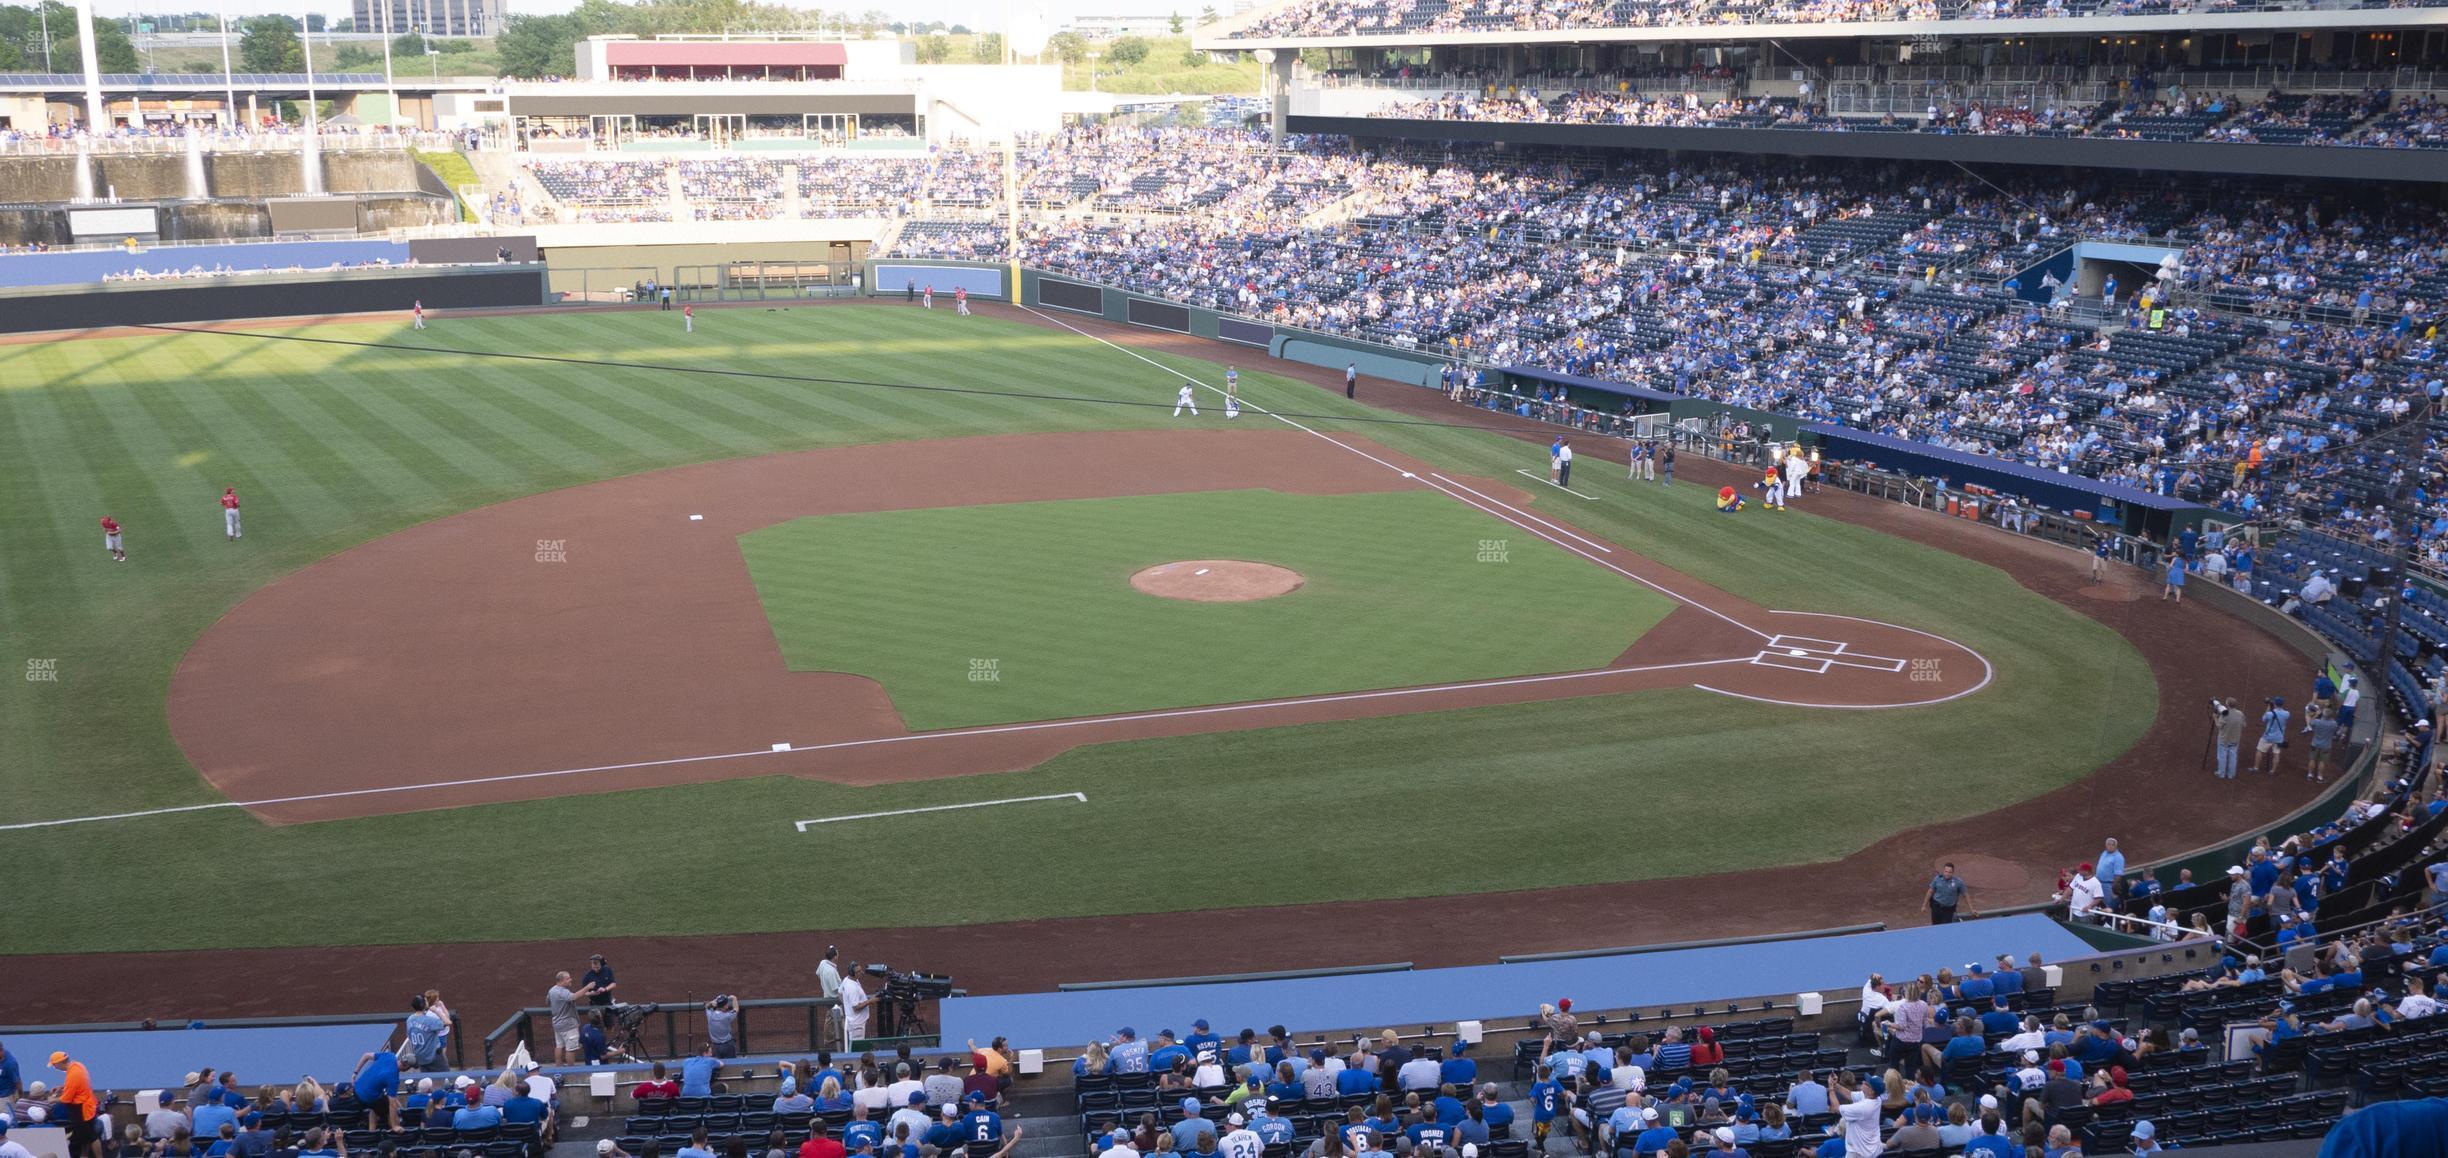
(564, 595)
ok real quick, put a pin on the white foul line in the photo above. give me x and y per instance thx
(1497, 514)
(906, 738)
(803, 825)
(1601, 548)
(1551, 482)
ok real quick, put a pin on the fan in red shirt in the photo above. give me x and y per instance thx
(662, 1088)
(819, 1145)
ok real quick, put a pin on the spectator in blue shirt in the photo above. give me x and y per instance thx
(1655, 1135)
(12, 1080)
(1493, 1109)
(1356, 1077)
(1457, 1070)
(697, 1073)
(422, 1047)
(1807, 1097)
(697, 1146)
(1546, 1102)
(1449, 1108)
(476, 1117)
(1203, 1045)
(377, 1088)
(1167, 1051)
(208, 1118)
(1672, 1053)
(1130, 1055)
(1191, 1128)
(2008, 980)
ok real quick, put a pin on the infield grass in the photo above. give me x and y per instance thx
(332, 445)
(1025, 611)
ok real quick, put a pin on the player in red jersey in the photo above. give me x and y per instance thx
(110, 539)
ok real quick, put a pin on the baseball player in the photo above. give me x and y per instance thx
(418, 309)
(229, 512)
(688, 319)
(1187, 397)
(926, 297)
(1232, 407)
(960, 300)
(110, 539)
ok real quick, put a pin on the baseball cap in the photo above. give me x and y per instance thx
(2031, 1057)
(974, 1096)
(463, 1080)
(950, 1110)
(603, 1146)
(1199, 1025)
(2144, 1129)
(1234, 1120)
(1988, 1102)
(191, 1078)
(1126, 1031)
(917, 1097)
(1564, 1003)
(4, 1123)
(1470, 1150)
(1164, 1033)
(2235, 870)
(1648, 1113)
(59, 1057)
(424, 1085)
(1189, 1105)
(1725, 1135)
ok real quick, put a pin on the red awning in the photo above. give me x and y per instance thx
(723, 54)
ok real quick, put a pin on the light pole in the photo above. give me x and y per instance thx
(229, 87)
(390, 85)
(44, 7)
(97, 119)
(435, 56)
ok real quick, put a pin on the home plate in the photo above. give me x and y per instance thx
(1408, 474)
(696, 518)
(1201, 571)
(1796, 651)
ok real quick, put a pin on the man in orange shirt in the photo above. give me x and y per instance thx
(76, 1099)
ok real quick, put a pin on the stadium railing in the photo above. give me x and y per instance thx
(670, 1030)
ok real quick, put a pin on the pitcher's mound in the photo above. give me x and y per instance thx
(1217, 580)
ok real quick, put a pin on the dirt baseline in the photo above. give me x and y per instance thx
(607, 636)
(1217, 580)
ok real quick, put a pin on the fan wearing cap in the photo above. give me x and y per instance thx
(1203, 1044)
(1655, 1134)
(1857, 1115)
(77, 1105)
(1239, 1141)
(1192, 1127)
(2273, 736)
(911, 1113)
(1129, 1054)
(1562, 1026)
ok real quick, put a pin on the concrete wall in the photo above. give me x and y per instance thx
(39, 178)
(664, 261)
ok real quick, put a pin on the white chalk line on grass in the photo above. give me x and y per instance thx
(1553, 483)
(1559, 528)
(1495, 512)
(804, 825)
(908, 738)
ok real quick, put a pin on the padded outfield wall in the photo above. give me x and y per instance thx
(354, 291)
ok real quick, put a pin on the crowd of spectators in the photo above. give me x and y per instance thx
(2374, 118)
(1386, 17)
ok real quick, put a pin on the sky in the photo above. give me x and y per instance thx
(975, 12)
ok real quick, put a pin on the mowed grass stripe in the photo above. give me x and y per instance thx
(244, 452)
(298, 393)
(143, 483)
(322, 466)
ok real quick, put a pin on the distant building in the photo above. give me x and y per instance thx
(435, 17)
(1109, 27)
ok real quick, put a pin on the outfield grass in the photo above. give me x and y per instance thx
(1395, 594)
(333, 445)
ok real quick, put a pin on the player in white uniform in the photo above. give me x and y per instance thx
(1187, 397)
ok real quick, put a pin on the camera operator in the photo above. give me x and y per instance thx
(855, 1005)
(2227, 725)
(722, 1025)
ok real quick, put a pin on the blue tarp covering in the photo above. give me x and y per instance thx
(2046, 487)
(1833, 965)
(85, 266)
(139, 1059)
(1576, 381)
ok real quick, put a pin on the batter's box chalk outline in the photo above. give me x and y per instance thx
(1790, 642)
(1813, 664)
(1869, 662)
